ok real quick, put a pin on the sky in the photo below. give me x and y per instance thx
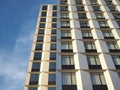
(18, 20)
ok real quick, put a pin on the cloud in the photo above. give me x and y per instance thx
(13, 65)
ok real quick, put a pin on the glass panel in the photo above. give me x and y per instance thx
(32, 88)
(66, 79)
(51, 88)
(73, 78)
(95, 79)
(51, 77)
(36, 65)
(116, 60)
(52, 65)
(37, 55)
(34, 77)
(102, 79)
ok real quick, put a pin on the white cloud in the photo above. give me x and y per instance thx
(13, 65)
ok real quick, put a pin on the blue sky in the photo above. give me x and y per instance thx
(17, 26)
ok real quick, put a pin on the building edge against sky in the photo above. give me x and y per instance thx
(76, 46)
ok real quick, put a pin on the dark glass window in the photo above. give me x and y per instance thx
(80, 8)
(68, 79)
(52, 56)
(52, 66)
(90, 47)
(53, 47)
(52, 79)
(108, 2)
(99, 16)
(54, 7)
(82, 16)
(65, 24)
(64, 8)
(66, 34)
(54, 19)
(93, 60)
(87, 35)
(84, 24)
(40, 39)
(118, 23)
(41, 31)
(37, 55)
(54, 25)
(67, 60)
(54, 14)
(116, 60)
(107, 34)
(98, 79)
(43, 20)
(51, 88)
(94, 2)
(79, 2)
(42, 25)
(44, 8)
(103, 24)
(96, 8)
(33, 88)
(43, 13)
(63, 2)
(53, 38)
(39, 46)
(53, 31)
(34, 78)
(36, 67)
(116, 15)
(64, 15)
(112, 8)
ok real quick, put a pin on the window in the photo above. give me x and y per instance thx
(116, 60)
(79, 2)
(37, 55)
(54, 19)
(96, 8)
(41, 31)
(64, 8)
(98, 79)
(116, 15)
(108, 2)
(53, 38)
(118, 23)
(82, 16)
(52, 79)
(84, 24)
(42, 25)
(119, 74)
(54, 7)
(64, 15)
(99, 16)
(52, 56)
(34, 78)
(53, 31)
(93, 60)
(32, 88)
(40, 39)
(54, 14)
(107, 34)
(112, 8)
(65, 24)
(87, 34)
(36, 67)
(54, 25)
(94, 2)
(80, 8)
(112, 45)
(103, 24)
(53, 47)
(67, 60)
(68, 79)
(66, 45)
(90, 46)
(51, 88)
(52, 66)
(44, 8)
(43, 13)
(43, 20)
(63, 2)
(39, 46)
(66, 34)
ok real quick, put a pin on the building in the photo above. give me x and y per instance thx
(76, 47)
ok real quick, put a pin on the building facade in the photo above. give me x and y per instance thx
(76, 47)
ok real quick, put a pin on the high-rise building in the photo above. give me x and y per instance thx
(76, 47)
